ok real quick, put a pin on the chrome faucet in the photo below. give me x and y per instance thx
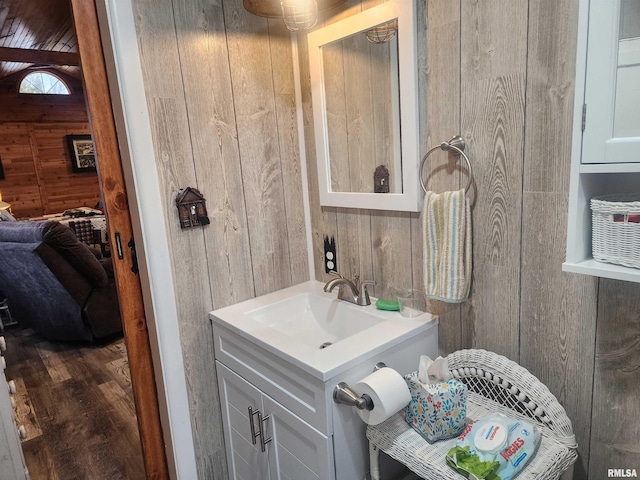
(352, 292)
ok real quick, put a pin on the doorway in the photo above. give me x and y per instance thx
(114, 193)
(112, 181)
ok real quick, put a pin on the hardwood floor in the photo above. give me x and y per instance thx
(76, 404)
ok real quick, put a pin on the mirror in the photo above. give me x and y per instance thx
(626, 122)
(365, 112)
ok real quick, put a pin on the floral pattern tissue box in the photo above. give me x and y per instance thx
(437, 410)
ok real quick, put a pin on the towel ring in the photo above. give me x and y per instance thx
(455, 143)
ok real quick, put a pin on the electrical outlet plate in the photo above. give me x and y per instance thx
(330, 263)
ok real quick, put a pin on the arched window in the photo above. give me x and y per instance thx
(43, 82)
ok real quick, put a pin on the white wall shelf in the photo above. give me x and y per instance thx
(589, 266)
(610, 168)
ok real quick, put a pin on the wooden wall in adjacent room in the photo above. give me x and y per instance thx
(33, 150)
(220, 92)
(501, 73)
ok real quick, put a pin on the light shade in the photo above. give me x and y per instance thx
(272, 8)
(299, 14)
(4, 205)
(383, 33)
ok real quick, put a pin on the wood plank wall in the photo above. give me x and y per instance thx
(220, 92)
(33, 148)
(501, 73)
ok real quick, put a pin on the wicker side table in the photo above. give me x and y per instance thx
(496, 384)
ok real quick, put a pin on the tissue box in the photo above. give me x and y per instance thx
(438, 410)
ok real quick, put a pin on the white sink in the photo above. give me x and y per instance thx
(317, 332)
(317, 321)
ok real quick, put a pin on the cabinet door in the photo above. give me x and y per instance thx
(297, 451)
(612, 119)
(245, 460)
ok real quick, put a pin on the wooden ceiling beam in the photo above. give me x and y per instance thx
(42, 57)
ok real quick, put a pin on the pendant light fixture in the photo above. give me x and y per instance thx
(297, 14)
(383, 33)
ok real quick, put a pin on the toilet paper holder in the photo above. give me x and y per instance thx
(344, 394)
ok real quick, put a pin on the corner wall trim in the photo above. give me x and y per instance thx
(302, 152)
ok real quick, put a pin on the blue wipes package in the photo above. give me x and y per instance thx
(495, 447)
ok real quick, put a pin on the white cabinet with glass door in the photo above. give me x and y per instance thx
(606, 124)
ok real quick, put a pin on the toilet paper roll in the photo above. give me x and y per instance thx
(389, 393)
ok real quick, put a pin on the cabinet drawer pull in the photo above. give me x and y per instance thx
(263, 442)
(254, 435)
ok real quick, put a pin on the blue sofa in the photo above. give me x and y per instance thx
(56, 284)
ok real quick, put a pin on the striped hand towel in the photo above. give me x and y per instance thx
(446, 224)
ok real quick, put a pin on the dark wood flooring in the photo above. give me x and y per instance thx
(76, 404)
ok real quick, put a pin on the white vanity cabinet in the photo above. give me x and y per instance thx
(293, 448)
(307, 436)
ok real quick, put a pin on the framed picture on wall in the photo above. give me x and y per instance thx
(83, 157)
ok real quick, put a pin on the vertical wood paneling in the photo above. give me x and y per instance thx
(557, 314)
(493, 72)
(323, 220)
(220, 90)
(440, 112)
(160, 57)
(359, 112)
(392, 258)
(550, 90)
(415, 227)
(384, 138)
(286, 116)
(353, 243)
(214, 139)
(557, 310)
(615, 428)
(500, 73)
(336, 105)
(253, 93)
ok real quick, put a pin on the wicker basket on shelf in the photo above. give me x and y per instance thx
(616, 229)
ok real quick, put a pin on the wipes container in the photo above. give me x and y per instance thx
(495, 447)
(436, 410)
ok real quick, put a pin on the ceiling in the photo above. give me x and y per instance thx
(37, 33)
